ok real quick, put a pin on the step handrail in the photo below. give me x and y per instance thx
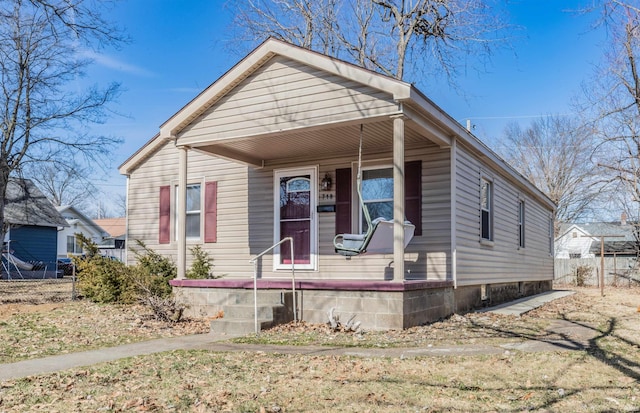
(254, 260)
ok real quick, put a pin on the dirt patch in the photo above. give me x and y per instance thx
(9, 310)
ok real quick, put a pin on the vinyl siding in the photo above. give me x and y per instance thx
(501, 260)
(245, 216)
(31, 243)
(231, 251)
(284, 95)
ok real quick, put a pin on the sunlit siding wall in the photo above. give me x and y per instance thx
(246, 216)
(427, 256)
(231, 251)
(502, 260)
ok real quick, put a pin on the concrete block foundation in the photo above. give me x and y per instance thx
(378, 305)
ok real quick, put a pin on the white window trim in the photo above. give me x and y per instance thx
(491, 240)
(356, 210)
(312, 171)
(522, 220)
(174, 205)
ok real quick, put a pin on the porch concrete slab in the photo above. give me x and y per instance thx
(526, 304)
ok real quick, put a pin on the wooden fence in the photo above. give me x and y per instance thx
(618, 271)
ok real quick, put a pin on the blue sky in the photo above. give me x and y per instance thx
(179, 47)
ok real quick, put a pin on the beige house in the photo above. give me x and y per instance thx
(270, 150)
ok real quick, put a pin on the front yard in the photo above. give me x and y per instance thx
(606, 377)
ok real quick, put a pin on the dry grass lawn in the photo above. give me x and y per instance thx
(604, 378)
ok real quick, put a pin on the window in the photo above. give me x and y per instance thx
(521, 224)
(377, 194)
(346, 206)
(486, 201)
(200, 207)
(193, 212)
(74, 246)
(551, 233)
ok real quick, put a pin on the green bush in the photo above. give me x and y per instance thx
(153, 271)
(104, 280)
(202, 266)
(101, 279)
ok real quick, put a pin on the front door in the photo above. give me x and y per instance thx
(295, 196)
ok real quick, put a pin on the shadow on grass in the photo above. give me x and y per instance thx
(597, 346)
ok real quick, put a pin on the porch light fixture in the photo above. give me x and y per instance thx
(326, 182)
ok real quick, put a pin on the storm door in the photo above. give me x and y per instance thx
(295, 196)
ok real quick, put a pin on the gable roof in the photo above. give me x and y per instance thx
(27, 205)
(71, 213)
(409, 102)
(619, 238)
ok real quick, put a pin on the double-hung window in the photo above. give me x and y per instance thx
(201, 213)
(192, 221)
(486, 206)
(377, 194)
(74, 245)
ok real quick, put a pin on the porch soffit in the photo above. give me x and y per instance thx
(313, 143)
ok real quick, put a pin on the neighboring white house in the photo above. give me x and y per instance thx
(583, 240)
(68, 243)
(574, 242)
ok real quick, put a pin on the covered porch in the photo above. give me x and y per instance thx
(309, 152)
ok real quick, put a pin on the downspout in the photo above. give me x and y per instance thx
(453, 194)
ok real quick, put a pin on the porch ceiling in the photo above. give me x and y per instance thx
(313, 143)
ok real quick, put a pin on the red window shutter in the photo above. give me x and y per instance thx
(343, 201)
(211, 212)
(164, 232)
(413, 194)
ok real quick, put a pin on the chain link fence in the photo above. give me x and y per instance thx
(37, 291)
(39, 284)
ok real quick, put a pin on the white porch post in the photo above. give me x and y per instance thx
(181, 209)
(398, 199)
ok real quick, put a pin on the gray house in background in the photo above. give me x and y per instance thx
(33, 224)
(271, 150)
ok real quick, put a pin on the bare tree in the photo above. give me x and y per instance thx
(43, 111)
(64, 183)
(555, 154)
(612, 99)
(398, 38)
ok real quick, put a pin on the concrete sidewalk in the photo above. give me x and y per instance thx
(217, 342)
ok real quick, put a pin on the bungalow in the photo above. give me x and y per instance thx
(271, 150)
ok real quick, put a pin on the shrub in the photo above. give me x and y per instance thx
(582, 273)
(153, 271)
(101, 279)
(151, 277)
(202, 266)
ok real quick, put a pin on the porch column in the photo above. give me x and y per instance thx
(398, 199)
(181, 210)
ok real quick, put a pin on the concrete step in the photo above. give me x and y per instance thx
(239, 325)
(239, 311)
(274, 307)
(264, 297)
